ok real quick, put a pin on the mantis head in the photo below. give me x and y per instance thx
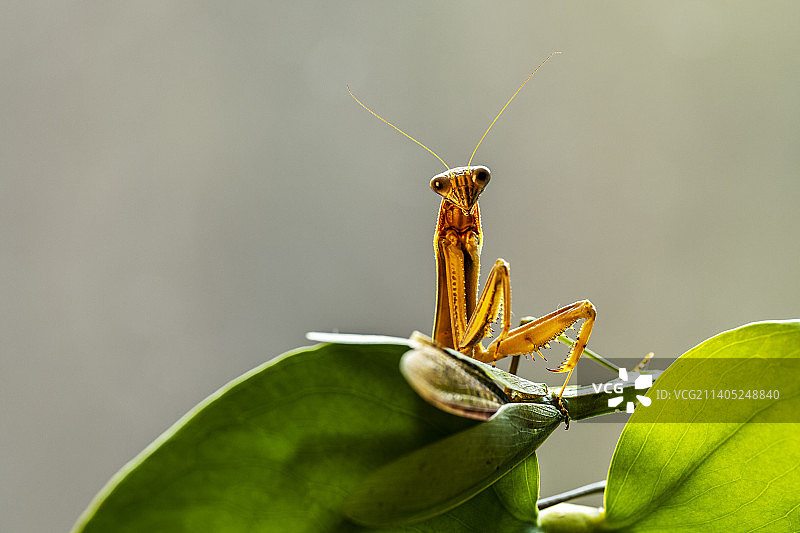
(462, 186)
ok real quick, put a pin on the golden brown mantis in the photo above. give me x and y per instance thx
(462, 318)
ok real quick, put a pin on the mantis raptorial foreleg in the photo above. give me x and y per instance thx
(534, 335)
(525, 339)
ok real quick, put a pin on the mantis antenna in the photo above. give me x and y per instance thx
(401, 131)
(505, 106)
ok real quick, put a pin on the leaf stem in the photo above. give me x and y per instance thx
(597, 358)
(591, 488)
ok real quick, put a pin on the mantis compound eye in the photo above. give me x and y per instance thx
(481, 176)
(439, 185)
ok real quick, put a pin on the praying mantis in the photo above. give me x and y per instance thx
(463, 319)
(454, 372)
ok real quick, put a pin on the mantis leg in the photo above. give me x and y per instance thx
(537, 334)
(528, 338)
(496, 294)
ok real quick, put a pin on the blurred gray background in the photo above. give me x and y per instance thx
(186, 188)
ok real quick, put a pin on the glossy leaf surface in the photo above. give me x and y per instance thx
(519, 490)
(700, 476)
(279, 449)
(451, 471)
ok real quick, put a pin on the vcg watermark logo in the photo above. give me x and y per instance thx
(640, 382)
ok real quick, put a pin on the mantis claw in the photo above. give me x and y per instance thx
(558, 404)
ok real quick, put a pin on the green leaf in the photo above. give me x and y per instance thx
(449, 472)
(703, 476)
(279, 449)
(519, 490)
